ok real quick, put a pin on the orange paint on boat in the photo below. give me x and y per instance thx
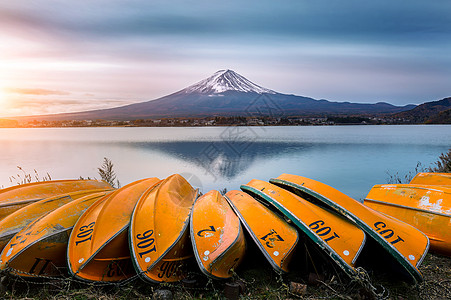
(98, 247)
(273, 235)
(335, 235)
(17, 220)
(16, 197)
(159, 238)
(427, 208)
(217, 237)
(40, 248)
(432, 179)
(404, 242)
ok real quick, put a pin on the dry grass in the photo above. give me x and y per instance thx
(260, 282)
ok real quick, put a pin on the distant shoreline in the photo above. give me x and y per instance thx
(215, 122)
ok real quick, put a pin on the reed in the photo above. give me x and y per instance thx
(24, 177)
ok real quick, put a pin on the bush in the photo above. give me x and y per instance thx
(443, 165)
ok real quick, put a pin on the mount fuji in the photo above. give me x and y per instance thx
(227, 93)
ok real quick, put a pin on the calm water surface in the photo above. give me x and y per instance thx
(349, 158)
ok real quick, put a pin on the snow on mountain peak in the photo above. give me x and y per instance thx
(226, 80)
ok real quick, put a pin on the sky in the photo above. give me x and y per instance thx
(67, 56)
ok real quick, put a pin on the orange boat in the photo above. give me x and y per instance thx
(40, 248)
(98, 247)
(432, 179)
(17, 220)
(403, 242)
(336, 236)
(217, 236)
(159, 239)
(274, 236)
(427, 208)
(13, 198)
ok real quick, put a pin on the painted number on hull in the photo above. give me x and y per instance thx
(146, 241)
(321, 230)
(119, 268)
(271, 237)
(42, 266)
(85, 233)
(208, 232)
(20, 239)
(169, 268)
(387, 233)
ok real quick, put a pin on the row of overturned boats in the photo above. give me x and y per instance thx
(155, 228)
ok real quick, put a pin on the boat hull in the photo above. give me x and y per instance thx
(98, 247)
(217, 237)
(432, 179)
(159, 236)
(427, 208)
(404, 243)
(40, 248)
(17, 220)
(16, 197)
(273, 235)
(341, 240)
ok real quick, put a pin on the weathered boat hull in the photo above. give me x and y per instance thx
(273, 235)
(427, 208)
(403, 242)
(17, 220)
(159, 239)
(217, 237)
(40, 248)
(98, 246)
(337, 237)
(432, 179)
(16, 197)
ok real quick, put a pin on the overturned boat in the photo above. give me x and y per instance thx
(341, 240)
(426, 207)
(407, 245)
(432, 179)
(159, 235)
(98, 247)
(16, 197)
(217, 237)
(17, 220)
(40, 248)
(273, 235)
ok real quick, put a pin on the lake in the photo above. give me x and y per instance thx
(349, 158)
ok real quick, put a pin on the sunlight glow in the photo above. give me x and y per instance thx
(3, 96)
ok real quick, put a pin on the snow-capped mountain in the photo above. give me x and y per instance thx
(227, 93)
(225, 80)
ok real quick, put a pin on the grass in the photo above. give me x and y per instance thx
(260, 283)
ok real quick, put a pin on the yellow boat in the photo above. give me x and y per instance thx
(273, 236)
(17, 220)
(336, 236)
(40, 248)
(159, 239)
(16, 197)
(427, 208)
(217, 237)
(98, 247)
(403, 242)
(432, 179)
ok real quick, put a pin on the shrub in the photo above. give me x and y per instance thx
(443, 165)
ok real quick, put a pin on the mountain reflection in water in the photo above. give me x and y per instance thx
(224, 159)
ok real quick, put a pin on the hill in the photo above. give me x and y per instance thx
(433, 112)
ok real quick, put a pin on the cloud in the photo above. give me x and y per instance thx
(146, 49)
(382, 21)
(34, 91)
(29, 105)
